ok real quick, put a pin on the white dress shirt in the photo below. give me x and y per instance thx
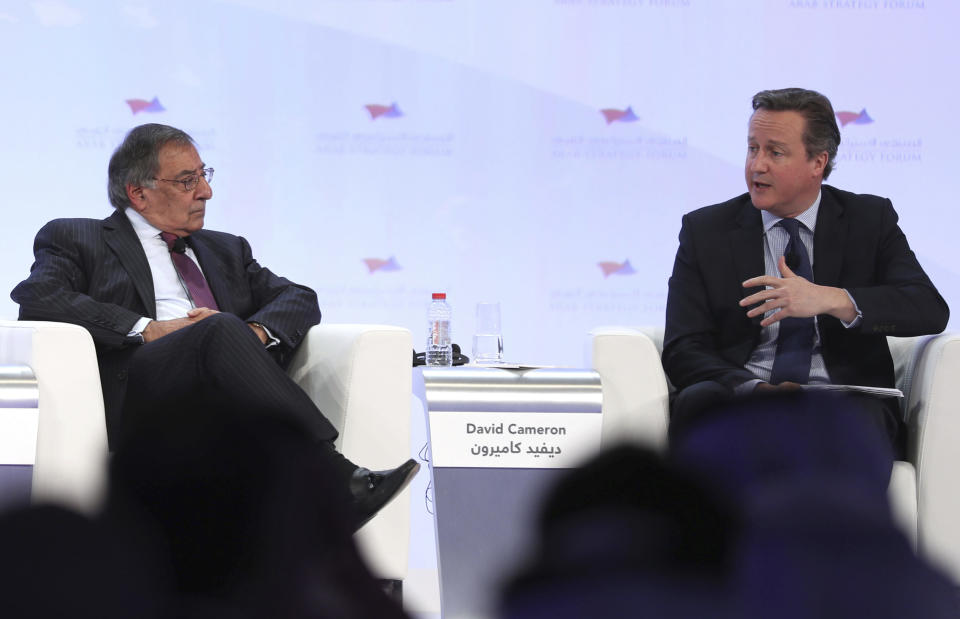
(169, 290)
(173, 299)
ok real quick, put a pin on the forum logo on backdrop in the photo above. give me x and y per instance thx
(858, 5)
(385, 111)
(613, 115)
(379, 264)
(106, 136)
(620, 137)
(142, 105)
(346, 137)
(856, 118)
(865, 143)
(616, 268)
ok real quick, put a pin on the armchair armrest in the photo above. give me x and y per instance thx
(934, 433)
(635, 389)
(360, 377)
(71, 458)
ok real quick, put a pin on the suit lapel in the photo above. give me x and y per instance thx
(828, 241)
(746, 245)
(212, 267)
(120, 237)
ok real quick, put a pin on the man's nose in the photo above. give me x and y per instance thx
(758, 163)
(204, 191)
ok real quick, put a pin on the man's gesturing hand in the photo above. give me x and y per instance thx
(796, 297)
(156, 329)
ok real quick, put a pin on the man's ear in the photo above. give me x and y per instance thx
(820, 163)
(136, 197)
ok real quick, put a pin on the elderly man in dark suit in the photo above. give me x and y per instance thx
(793, 282)
(180, 314)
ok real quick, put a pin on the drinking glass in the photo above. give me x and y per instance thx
(487, 340)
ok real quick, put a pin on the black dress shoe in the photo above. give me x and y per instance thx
(372, 490)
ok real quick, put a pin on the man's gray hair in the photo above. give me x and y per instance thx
(136, 160)
(821, 133)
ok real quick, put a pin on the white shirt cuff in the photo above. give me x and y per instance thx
(747, 387)
(856, 321)
(139, 326)
(271, 340)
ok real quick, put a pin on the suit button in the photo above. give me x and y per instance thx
(122, 375)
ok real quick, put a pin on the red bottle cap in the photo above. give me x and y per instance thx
(439, 295)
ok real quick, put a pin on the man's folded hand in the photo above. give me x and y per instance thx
(156, 329)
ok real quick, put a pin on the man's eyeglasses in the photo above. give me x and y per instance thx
(190, 182)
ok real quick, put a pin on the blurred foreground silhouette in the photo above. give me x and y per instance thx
(213, 513)
(766, 507)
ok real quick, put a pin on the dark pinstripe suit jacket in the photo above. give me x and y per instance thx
(94, 273)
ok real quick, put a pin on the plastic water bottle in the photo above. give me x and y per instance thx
(439, 351)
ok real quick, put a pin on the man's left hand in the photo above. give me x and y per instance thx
(796, 297)
(786, 385)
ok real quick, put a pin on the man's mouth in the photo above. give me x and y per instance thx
(759, 185)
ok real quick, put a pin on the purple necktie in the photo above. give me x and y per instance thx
(189, 272)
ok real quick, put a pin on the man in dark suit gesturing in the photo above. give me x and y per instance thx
(180, 315)
(793, 282)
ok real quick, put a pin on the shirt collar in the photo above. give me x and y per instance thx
(141, 226)
(808, 217)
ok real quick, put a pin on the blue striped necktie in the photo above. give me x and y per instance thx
(795, 342)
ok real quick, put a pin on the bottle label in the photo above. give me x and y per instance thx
(440, 333)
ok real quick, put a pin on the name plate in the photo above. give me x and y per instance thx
(18, 435)
(526, 440)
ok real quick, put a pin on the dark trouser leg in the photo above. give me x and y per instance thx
(692, 402)
(884, 413)
(219, 362)
(689, 403)
(200, 377)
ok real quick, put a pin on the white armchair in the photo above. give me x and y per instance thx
(71, 456)
(358, 375)
(636, 405)
(924, 497)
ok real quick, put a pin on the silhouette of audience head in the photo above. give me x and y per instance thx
(57, 563)
(626, 532)
(251, 515)
(212, 511)
(769, 506)
(808, 475)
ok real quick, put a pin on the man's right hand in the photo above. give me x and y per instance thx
(156, 329)
(784, 386)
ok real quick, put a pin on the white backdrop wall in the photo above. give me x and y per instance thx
(380, 150)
